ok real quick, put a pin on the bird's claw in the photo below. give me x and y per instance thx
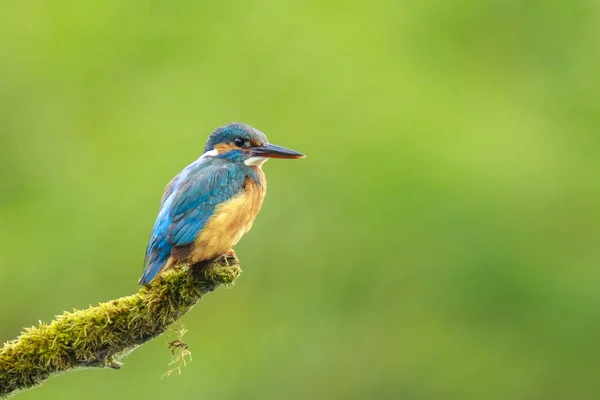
(231, 253)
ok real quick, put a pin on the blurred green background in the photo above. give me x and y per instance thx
(441, 240)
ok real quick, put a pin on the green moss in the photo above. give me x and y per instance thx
(99, 336)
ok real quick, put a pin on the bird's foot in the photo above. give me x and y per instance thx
(230, 258)
(231, 253)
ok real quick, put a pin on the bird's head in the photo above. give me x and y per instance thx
(240, 142)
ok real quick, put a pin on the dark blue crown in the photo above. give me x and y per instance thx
(228, 133)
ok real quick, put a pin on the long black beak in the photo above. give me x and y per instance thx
(273, 151)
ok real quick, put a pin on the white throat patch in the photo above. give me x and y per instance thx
(256, 161)
(210, 153)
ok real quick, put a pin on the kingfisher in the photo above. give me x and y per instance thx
(207, 208)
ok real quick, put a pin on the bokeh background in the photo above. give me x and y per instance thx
(441, 240)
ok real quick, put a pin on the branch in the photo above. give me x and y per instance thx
(99, 336)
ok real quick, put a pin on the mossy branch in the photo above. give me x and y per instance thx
(99, 336)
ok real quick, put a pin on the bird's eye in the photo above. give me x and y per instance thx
(239, 142)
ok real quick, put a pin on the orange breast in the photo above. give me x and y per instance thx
(230, 221)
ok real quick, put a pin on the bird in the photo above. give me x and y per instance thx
(207, 208)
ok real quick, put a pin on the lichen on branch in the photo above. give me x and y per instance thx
(100, 335)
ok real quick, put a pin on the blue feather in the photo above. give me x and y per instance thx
(187, 204)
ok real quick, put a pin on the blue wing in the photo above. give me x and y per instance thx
(188, 202)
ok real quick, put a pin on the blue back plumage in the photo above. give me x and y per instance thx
(187, 204)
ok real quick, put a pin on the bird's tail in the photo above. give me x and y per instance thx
(156, 260)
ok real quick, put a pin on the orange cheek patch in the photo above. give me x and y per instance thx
(225, 147)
